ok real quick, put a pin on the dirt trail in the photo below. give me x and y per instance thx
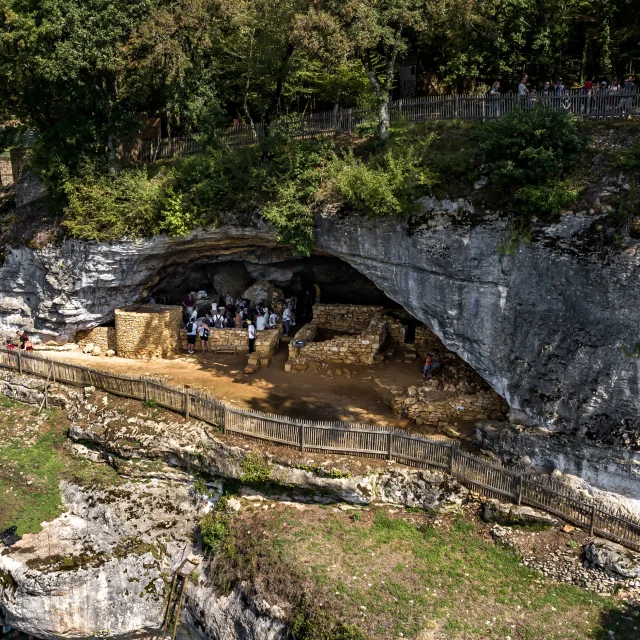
(362, 396)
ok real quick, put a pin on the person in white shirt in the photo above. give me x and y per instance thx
(261, 323)
(273, 320)
(286, 320)
(251, 333)
(229, 300)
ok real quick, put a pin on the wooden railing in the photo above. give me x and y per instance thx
(597, 104)
(476, 473)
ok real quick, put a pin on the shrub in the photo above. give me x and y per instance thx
(255, 469)
(109, 207)
(530, 147)
(215, 526)
(546, 200)
(310, 623)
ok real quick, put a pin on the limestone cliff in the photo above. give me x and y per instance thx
(552, 326)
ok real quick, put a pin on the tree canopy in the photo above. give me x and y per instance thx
(82, 72)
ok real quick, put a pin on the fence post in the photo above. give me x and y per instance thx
(224, 420)
(592, 523)
(456, 115)
(451, 449)
(19, 361)
(389, 441)
(187, 401)
(520, 483)
(349, 121)
(301, 437)
(145, 388)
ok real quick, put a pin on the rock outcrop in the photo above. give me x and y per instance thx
(551, 327)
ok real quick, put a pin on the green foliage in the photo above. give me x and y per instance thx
(215, 526)
(532, 147)
(543, 200)
(386, 183)
(338, 473)
(255, 469)
(150, 404)
(109, 207)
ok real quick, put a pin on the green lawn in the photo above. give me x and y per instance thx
(33, 461)
(392, 577)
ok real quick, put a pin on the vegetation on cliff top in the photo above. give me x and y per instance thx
(526, 156)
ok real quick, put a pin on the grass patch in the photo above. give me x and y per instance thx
(33, 461)
(385, 575)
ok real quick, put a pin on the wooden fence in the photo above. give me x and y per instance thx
(476, 473)
(597, 104)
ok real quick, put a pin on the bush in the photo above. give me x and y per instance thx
(215, 526)
(110, 207)
(386, 185)
(255, 469)
(530, 147)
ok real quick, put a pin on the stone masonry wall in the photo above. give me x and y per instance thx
(266, 341)
(148, 331)
(103, 337)
(352, 318)
(358, 349)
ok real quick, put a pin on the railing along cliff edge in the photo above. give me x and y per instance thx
(476, 473)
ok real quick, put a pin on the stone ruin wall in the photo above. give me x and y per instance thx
(148, 331)
(102, 337)
(351, 318)
(266, 341)
(351, 349)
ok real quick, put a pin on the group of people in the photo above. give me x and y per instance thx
(604, 92)
(234, 314)
(432, 364)
(23, 342)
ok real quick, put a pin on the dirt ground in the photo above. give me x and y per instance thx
(353, 393)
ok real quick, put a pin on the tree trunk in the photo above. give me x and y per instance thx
(384, 119)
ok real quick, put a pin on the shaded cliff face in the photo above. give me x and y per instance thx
(547, 326)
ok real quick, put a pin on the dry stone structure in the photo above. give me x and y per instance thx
(103, 337)
(365, 330)
(148, 331)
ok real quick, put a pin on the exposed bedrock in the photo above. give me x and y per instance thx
(552, 327)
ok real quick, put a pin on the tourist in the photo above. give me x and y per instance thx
(436, 361)
(494, 96)
(426, 370)
(9, 345)
(523, 92)
(546, 90)
(317, 292)
(192, 332)
(251, 333)
(25, 344)
(218, 320)
(203, 332)
(208, 320)
(261, 322)
(189, 304)
(286, 320)
(273, 320)
(628, 89)
(238, 319)
(229, 300)
(229, 321)
(558, 90)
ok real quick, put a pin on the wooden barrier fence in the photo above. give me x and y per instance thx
(596, 104)
(476, 473)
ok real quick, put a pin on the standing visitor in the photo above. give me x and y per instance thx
(238, 318)
(218, 320)
(251, 333)
(229, 300)
(559, 88)
(286, 320)
(273, 320)
(189, 304)
(628, 89)
(523, 92)
(494, 96)
(261, 322)
(317, 292)
(192, 332)
(203, 332)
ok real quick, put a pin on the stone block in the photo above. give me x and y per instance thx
(251, 368)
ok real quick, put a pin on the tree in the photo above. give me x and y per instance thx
(373, 31)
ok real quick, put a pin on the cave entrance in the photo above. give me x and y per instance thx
(372, 383)
(339, 282)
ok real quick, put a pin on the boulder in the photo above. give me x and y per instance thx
(612, 557)
(110, 353)
(261, 291)
(509, 514)
(88, 348)
(96, 351)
